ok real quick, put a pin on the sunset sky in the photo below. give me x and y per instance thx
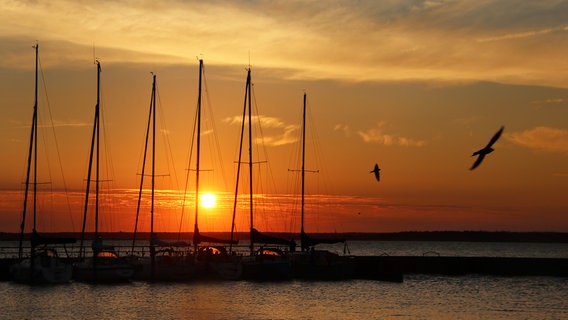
(415, 86)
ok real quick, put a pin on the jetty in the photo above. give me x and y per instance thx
(367, 266)
(393, 267)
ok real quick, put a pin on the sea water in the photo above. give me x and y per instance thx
(418, 297)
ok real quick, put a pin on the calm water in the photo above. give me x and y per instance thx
(418, 297)
(461, 249)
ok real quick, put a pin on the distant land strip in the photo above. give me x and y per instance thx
(464, 236)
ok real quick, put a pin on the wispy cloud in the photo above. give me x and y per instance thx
(542, 138)
(378, 135)
(551, 101)
(525, 34)
(264, 121)
(343, 128)
(278, 133)
(59, 124)
(504, 41)
(279, 140)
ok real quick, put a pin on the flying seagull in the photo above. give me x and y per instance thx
(376, 171)
(481, 153)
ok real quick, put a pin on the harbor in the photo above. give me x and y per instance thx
(371, 265)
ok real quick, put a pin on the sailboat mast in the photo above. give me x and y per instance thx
(35, 145)
(153, 112)
(303, 160)
(250, 159)
(97, 124)
(32, 150)
(33, 240)
(94, 138)
(196, 227)
(239, 160)
(142, 174)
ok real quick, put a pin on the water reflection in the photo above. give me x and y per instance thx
(454, 249)
(419, 297)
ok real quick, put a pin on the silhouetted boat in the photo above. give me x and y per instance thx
(213, 261)
(263, 263)
(168, 261)
(43, 265)
(310, 263)
(104, 265)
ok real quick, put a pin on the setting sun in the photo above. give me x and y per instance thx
(208, 200)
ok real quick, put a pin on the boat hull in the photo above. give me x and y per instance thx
(262, 268)
(116, 272)
(44, 271)
(166, 269)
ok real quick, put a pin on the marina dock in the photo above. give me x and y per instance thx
(388, 268)
(458, 266)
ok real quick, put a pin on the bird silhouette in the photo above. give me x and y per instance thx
(376, 171)
(481, 153)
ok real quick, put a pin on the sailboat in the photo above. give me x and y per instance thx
(263, 263)
(43, 265)
(310, 263)
(213, 260)
(104, 265)
(168, 261)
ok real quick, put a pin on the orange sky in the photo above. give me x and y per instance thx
(414, 86)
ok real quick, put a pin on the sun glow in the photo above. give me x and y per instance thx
(208, 200)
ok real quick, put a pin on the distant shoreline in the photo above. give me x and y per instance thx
(462, 236)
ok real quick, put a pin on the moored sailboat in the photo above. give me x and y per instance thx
(168, 261)
(213, 260)
(264, 262)
(104, 265)
(316, 264)
(43, 265)
(310, 263)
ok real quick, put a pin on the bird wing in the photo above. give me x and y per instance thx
(478, 161)
(495, 137)
(377, 175)
(375, 169)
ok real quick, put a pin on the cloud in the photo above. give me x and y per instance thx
(520, 35)
(549, 101)
(280, 140)
(278, 132)
(519, 43)
(542, 138)
(343, 128)
(377, 135)
(57, 124)
(265, 121)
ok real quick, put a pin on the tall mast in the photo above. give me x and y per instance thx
(303, 160)
(35, 144)
(32, 150)
(239, 159)
(250, 159)
(196, 228)
(97, 122)
(32, 252)
(94, 138)
(143, 173)
(153, 112)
